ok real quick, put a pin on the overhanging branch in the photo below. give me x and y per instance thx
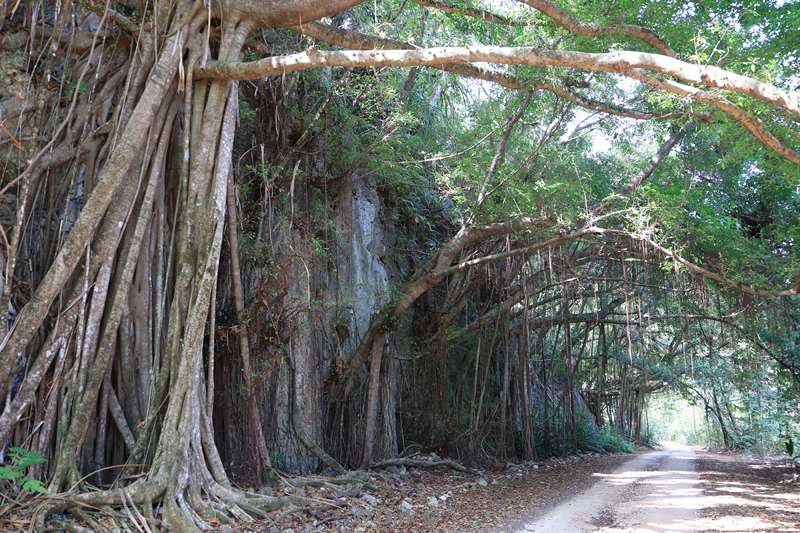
(597, 231)
(569, 23)
(361, 41)
(472, 12)
(626, 63)
(621, 62)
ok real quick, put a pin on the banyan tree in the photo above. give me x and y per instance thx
(118, 127)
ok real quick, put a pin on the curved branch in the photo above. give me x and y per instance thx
(360, 41)
(625, 63)
(594, 230)
(750, 123)
(701, 271)
(472, 12)
(432, 273)
(439, 267)
(282, 13)
(568, 22)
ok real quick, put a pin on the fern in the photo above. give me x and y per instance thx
(20, 459)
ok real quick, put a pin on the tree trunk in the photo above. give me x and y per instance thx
(263, 462)
(373, 400)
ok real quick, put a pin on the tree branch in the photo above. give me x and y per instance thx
(701, 271)
(437, 268)
(625, 63)
(360, 41)
(283, 13)
(500, 152)
(750, 123)
(594, 230)
(621, 62)
(472, 12)
(676, 136)
(568, 22)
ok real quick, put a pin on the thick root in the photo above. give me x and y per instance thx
(180, 511)
(421, 463)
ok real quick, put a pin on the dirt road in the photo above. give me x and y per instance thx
(670, 490)
(656, 491)
(665, 491)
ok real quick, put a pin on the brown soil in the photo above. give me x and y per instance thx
(464, 502)
(749, 493)
(729, 493)
(700, 491)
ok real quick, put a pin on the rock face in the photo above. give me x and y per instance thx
(364, 272)
(328, 287)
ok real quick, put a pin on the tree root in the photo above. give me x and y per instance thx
(322, 455)
(356, 477)
(203, 504)
(421, 463)
(184, 511)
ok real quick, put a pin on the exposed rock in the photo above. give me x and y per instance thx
(406, 507)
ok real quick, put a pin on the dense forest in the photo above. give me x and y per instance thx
(249, 241)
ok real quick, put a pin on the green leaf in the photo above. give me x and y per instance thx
(72, 85)
(34, 485)
(9, 473)
(23, 458)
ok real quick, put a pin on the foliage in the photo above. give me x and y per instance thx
(14, 471)
(604, 439)
(674, 419)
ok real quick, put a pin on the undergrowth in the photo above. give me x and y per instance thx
(605, 439)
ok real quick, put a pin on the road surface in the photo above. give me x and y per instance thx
(658, 491)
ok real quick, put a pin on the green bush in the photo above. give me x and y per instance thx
(605, 439)
(612, 441)
(648, 438)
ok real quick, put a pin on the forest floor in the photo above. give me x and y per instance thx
(742, 492)
(444, 500)
(671, 489)
(666, 490)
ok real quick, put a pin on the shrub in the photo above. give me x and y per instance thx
(605, 439)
